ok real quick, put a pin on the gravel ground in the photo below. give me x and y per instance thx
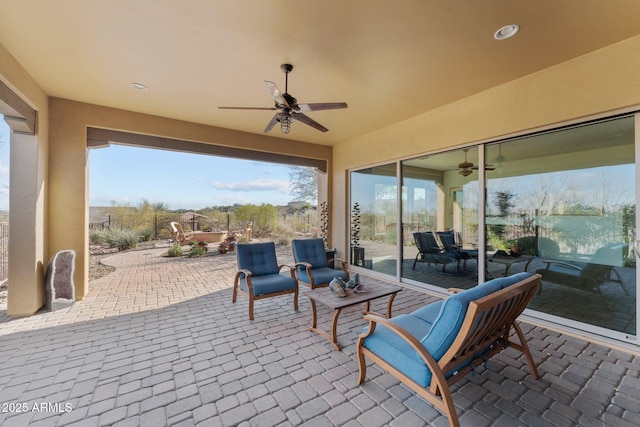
(96, 269)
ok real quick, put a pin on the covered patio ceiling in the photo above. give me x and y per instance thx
(389, 61)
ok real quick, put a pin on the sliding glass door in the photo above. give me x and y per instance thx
(563, 204)
(560, 203)
(374, 219)
(440, 219)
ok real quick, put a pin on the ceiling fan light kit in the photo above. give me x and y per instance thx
(287, 108)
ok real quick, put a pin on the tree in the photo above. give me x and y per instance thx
(262, 218)
(304, 183)
(504, 202)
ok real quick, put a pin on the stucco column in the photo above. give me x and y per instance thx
(26, 270)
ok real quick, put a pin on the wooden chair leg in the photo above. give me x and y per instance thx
(250, 307)
(524, 347)
(235, 292)
(362, 364)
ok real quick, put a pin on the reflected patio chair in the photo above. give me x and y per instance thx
(587, 277)
(259, 275)
(312, 267)
(430, 250)
(447, 242)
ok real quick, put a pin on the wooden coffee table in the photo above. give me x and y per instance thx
(326, 297)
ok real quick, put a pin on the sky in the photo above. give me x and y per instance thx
(127, 175)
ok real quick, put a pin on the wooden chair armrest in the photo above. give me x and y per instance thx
(332, 262)
(303, 264)
(247, 275)
(290, 267)
(246, 272)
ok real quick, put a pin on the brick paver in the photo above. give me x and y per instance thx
(158, 342)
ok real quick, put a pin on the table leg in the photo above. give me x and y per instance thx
(506, 270)
(334, 329)
(314, 314)
(333, 338)
(391, 297)
(527, 264)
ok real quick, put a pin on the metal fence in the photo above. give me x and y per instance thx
(4, 251)
(156, 226)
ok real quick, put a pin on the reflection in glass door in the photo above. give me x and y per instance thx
(374, 219)
(440, 219)
(562, 204)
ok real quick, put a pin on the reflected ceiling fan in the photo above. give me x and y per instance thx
(287, 107)
(467, 168)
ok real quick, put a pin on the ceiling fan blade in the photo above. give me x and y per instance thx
(317, 106)
(309, 121)
(277, 95)
(247, 108)
(272, 123)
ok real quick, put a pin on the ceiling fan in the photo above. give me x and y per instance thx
(467, 168)
(287, 107)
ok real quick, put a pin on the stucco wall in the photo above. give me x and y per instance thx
(28, 199)
(603, 81)
(68, 169)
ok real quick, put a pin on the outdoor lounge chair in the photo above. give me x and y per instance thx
(312, 266)
(245, 232)
(435, 346)
(182, 238)
(259, 275)
(448, 244)
(587, 277)
(430, 250)
(179, 236)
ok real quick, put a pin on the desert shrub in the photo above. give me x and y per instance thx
(282, 236)
(175, 251)
(263, 218)
(97, 237)
(198, 249)
(124, 239)
(146, 233)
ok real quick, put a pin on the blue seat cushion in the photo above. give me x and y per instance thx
(435, 325)
(321, 275)
(263, 285)
(311, 251)
(258, 258)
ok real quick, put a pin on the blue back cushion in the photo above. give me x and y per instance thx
(258, 258)
(454, 309)
(311, 251)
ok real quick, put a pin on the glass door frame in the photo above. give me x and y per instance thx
(541, 318)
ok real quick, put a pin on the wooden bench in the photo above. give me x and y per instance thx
(437, 345)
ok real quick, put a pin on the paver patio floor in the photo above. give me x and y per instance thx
(158, 342)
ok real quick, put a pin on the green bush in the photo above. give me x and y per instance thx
(121, 239)
(175, 251)
(198, 249)
(146, 233)
(97, 237)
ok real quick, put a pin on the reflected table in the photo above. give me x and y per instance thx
(508, 261)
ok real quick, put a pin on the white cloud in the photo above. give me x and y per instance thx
(253, 185)
(4, 170)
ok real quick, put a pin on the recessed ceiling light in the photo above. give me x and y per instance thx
(506, 32)
(138, 86)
